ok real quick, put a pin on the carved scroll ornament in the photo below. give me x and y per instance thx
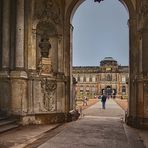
(47, 9)
(48, 89)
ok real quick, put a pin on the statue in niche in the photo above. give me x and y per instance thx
(45, 46)
(45, 30)
(45, 64)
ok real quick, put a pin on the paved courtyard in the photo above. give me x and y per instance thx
(97, 128)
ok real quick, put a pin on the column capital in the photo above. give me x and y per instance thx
(4, 74)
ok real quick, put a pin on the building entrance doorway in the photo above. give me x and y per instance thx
(108, 90)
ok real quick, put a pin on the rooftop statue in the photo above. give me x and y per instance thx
(98, 1)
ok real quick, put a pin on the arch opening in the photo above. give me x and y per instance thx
(108, 88)
(126, 3)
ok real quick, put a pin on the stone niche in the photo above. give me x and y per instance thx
(47, 48)
(46, 86)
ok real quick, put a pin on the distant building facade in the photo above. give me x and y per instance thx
(109, 78)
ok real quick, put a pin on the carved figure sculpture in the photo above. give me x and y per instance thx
(44, 46)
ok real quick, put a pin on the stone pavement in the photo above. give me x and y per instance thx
(123, 103)
(22, 136)
(97, 128)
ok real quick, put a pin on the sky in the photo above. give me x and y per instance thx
(100, 30)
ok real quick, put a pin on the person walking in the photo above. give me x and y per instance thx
(103, 100)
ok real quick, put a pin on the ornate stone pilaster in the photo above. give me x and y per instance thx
(6, 34)
(19, 52)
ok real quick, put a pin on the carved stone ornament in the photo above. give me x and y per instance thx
(47, 9)
(48, 89)
(45, 67)
(144, 8)
(46, 28)
(144, 12)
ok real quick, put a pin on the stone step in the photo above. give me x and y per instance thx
(6, 122)
(7, 127)
(3, 118)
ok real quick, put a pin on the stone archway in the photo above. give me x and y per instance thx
(132, 116)
(19, 77)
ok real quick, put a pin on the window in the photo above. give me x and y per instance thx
(84, 79)
(90, 79)
(94, 79)
(109, 77)
(87, 79)
(123, 90)
(123, 79)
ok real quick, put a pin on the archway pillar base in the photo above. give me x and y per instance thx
(137, 122)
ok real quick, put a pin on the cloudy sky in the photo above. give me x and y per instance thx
(100, 30)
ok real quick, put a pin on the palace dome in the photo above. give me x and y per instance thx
(108, 61)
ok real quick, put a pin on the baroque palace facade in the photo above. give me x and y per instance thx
(109, 78)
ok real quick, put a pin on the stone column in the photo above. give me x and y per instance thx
(18, 77)
(19, 55)
(145, 72)
(5, 48)
(144, 50)
(6, 34)
(133, 71)
(32, 38)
